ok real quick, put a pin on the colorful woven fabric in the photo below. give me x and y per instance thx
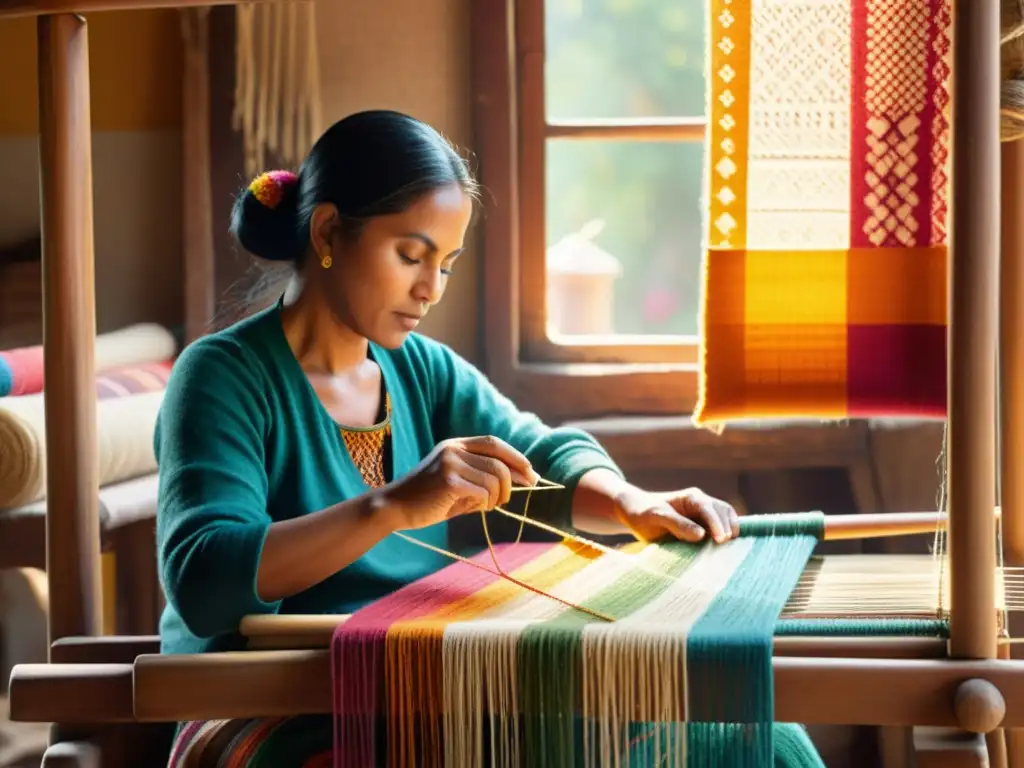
(302, 742)
(828, 168)
(21, 369)
(469, 668)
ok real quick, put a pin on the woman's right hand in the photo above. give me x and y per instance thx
(470, 474)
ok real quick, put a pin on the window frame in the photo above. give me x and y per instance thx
(583, 378)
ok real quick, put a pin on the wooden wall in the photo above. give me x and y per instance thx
(136, 117)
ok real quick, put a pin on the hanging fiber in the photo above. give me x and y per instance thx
(277, 105)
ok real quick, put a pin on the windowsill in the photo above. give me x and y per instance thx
(674, 442)
(585, 370)
(562, 391)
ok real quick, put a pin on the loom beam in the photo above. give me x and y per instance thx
(14, 8)
(161, 688)
(126, 648)
(314, 631)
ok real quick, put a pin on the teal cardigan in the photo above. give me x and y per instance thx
(242, 441)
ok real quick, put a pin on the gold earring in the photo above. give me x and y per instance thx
(326, 261)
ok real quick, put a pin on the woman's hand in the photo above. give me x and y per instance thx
(688, 515)
(471, 474)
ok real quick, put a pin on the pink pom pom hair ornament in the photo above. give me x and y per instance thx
(269, 187)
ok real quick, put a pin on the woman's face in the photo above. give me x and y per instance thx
(383, 282)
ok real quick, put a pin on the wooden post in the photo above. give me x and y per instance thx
(1011, 352)
(973, 324)
(197, 205)
(69, 328)
(1011, 377)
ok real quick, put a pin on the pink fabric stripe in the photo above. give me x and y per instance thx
(357, 648)
(26, 367)
(27, 375)
(133, 380)
(186, 734)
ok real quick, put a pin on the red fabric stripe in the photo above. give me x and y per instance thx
(358, 645)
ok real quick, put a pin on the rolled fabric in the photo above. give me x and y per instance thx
(129, 501)
(133, 381)
(120, 503)
(125, 429)
(21, 370)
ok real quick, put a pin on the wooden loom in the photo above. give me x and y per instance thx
(99, 690)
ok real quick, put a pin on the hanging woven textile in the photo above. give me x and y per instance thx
(828, 165)
(571, 654)
(277, 82)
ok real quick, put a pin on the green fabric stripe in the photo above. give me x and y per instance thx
(863, 627)
(549, 661)
(294, 742)
(784, 524)
(729, 658)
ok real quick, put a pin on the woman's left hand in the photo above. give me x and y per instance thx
(689, 515)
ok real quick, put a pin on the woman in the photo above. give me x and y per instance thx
(294, 443)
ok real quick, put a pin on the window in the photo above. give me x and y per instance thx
(589, 130)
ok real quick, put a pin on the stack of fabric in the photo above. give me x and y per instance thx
(133, 365)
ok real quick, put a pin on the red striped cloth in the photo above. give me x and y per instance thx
(22, 371)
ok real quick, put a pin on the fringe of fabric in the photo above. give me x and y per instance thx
(277, 82)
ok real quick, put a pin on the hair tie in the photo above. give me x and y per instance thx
(269, 187)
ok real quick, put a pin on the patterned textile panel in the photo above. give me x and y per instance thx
(825, 282)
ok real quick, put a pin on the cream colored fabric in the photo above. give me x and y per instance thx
(125, 429)
(139, 344)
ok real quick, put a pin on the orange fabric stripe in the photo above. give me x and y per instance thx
(723, 359)
(775, 323)
(794, 288)
(795, 369)
(413, 664)
(897, 286)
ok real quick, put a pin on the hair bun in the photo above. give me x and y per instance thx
(265, 216)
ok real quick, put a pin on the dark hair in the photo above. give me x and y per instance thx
(367, 164)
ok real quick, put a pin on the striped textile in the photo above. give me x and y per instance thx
(134, 380)
(828, 169)
(21, 369)
(465, 667)
(299, 742)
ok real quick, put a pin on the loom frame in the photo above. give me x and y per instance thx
(124, 682)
